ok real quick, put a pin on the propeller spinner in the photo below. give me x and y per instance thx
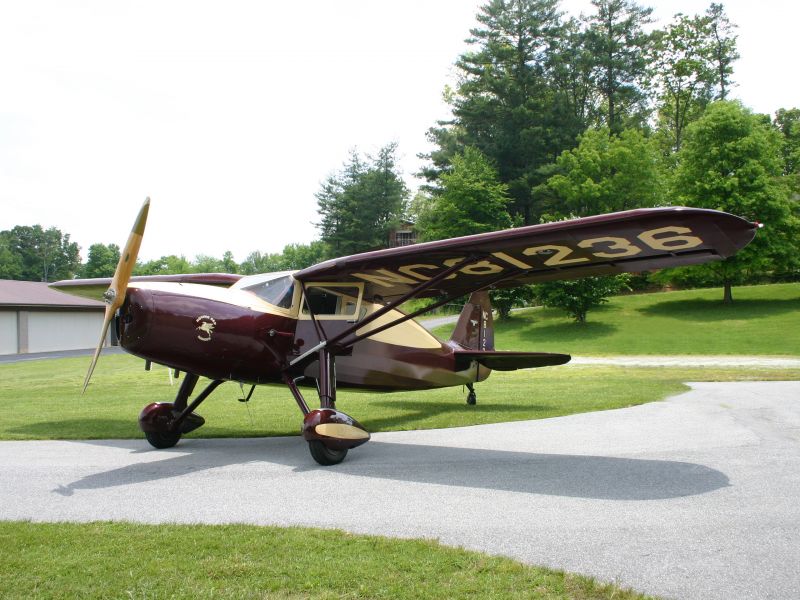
(114, 296)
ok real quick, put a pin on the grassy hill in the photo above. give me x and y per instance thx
(763, 320)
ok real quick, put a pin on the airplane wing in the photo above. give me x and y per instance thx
(630, 241)
(94, 288)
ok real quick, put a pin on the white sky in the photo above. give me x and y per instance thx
(230, 115)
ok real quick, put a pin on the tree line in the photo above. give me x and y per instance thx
(553, 116)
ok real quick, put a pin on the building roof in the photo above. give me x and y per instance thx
(38, 294)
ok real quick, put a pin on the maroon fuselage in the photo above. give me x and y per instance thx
(220, 340)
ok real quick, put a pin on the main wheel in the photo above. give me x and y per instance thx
(324, 455)
(472, 398)
(162, 440)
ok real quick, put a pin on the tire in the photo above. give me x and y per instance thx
(324, 455)
(472, 399)
(162, 441)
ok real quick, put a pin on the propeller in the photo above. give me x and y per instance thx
(114, 296)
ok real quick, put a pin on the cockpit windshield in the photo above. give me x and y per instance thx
(278, 292)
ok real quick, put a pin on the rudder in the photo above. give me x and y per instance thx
(475, 327)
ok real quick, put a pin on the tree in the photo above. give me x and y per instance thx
(101, 261)
(722, 52)
(787, 122)
(293, 258)
(619, 43)
(506, 103)
(607, 173)
(300, 256)
(571, 73)
(10, 262)
(472, 200)
(683, 74)
(256, 262)
(577, 296)
(41, 254)
(731, 160)
(166, 265)
(506, 299)
(203, 263)
(361, 203)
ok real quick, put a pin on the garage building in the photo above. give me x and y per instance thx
(35, 318)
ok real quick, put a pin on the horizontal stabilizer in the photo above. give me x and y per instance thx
(509, 361)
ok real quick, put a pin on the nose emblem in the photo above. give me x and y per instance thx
(205, 325)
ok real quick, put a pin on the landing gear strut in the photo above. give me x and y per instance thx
(163, 423)
(330, 433)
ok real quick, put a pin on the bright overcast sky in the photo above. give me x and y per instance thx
(229, 115)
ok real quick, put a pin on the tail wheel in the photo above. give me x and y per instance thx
(163, 440)
(324, 455)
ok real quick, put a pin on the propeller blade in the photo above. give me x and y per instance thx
(114, 296)
(103, 332)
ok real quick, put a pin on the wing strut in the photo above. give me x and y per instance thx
(337, 340)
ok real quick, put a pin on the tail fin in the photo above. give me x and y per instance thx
(475, 327)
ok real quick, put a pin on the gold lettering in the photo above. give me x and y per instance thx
(670, 242)
(511, 260)
(451, 262)
(410, 270)
(558, 259)
(483, 267)
(384, 278)
(624, 247)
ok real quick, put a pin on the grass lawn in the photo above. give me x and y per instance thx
(42, 399)
(123, 560)
(763, 320)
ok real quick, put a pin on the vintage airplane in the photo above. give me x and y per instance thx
(338, 323)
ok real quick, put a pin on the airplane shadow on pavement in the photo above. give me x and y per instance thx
(578, 476)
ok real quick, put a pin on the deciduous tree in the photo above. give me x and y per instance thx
(722, 52)
(683, 74)
(41, 254)
(101, 261)
(472, 200)
(607, 173)
(166, 265)
(731, 160)
(576, 297)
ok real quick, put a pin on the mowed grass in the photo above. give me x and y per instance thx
(42, 399)
(763, 320)
(123, 560)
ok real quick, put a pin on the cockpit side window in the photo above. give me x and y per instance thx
(278, 292)
(332, 300)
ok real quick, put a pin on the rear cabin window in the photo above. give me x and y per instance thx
(340, 300)
(278, 292)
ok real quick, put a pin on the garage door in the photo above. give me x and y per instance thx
(8, 332)
(48, 331)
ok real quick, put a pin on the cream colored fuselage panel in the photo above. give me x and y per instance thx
(410, 334)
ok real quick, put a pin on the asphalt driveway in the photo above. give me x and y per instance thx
(694, 497)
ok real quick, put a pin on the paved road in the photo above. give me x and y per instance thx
(694, 497)
(13, 358)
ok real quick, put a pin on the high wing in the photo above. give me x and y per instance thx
(94, 288)
(630, 241)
